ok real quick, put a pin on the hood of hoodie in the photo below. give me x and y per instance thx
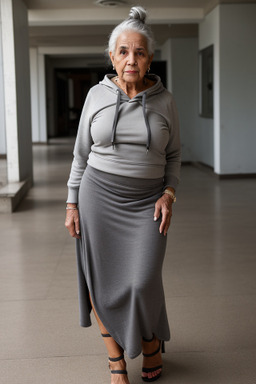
(141, 97)
(154, 90)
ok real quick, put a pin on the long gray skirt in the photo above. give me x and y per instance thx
(120, 257)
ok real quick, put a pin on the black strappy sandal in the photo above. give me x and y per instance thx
(149, 370)
(115, 359)
(117, 371)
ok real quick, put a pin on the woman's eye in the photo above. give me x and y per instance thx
(123, 52)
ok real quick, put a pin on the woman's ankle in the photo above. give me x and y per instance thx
(150, 346)
(117, 365)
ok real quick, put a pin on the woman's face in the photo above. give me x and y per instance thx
(131, 59)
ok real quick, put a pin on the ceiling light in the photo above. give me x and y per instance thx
(110, 3)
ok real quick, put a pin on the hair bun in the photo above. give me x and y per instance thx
(138, 13)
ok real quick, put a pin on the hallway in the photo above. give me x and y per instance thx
(209, 277)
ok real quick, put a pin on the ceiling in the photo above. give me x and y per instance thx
(89, 35)
(81, 4)
(67, 4)
(80, 23)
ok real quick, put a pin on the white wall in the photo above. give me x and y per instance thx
(209, 129)
(185, 90)
(34, 95)
(38, 96)
(231, 28)
(2, 107)
(238, 88)
(181, 55)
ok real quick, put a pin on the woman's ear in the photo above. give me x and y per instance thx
(112, 59)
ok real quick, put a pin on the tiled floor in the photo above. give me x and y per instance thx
(209, 274)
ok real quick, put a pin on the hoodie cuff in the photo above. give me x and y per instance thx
(72, 195)
(172, 182)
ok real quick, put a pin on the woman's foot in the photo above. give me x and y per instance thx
(152, 365)
(115, 367)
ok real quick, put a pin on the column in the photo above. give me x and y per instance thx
(16, 89)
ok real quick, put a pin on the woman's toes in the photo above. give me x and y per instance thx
(150, 375)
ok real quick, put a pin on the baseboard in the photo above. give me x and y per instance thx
(210, 170)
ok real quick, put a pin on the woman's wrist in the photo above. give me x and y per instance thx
(171, 193)
(71, 206)
(170, 189)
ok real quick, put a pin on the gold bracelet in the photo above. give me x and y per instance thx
(170, 193)
(72, 209)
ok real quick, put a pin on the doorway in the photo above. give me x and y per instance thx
(71, 86)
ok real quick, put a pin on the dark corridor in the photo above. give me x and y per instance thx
(71, 88)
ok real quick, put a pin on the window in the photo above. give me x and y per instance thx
(206, 82)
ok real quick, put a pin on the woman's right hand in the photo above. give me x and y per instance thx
(72, 221)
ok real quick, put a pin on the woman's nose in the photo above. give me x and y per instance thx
(131, 59)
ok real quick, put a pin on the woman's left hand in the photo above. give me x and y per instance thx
(163, 206)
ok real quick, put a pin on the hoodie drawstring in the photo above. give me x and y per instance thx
(115, 119)
(146, 120)
(113, 136)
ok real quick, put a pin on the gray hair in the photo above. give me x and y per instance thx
(136, 23)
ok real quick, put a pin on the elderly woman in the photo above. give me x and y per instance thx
(121, 190)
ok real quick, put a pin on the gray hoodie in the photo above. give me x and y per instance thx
(136, 137)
